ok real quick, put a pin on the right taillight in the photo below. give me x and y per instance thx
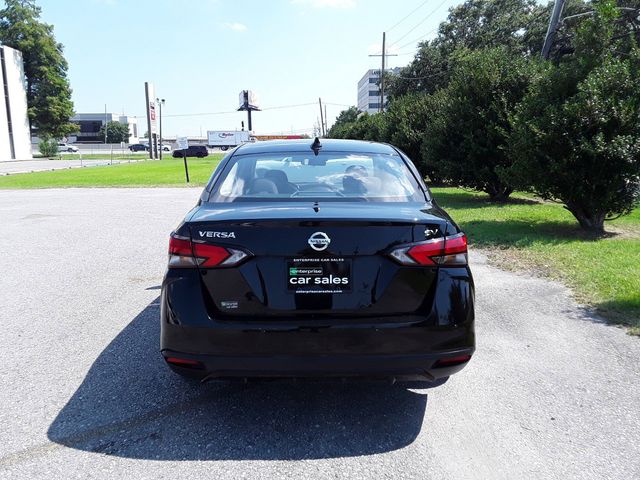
(450, 251)
(183, 253)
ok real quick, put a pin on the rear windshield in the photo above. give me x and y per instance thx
(335, 176)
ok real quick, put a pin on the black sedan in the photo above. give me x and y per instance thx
(199, 151)
(324, 258)
(138, 147)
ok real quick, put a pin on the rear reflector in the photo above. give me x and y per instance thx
(184, 362)
(450, 251)
(452, 361)
(183, 253)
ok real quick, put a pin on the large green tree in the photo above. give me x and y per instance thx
(404, 126)
(467, 130)
(343, 122)
(576, 135)
(516, 25)
(48, 91)
(363, 127)
(116, 132)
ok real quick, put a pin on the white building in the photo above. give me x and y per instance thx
(369, 91)
(91, 123)
(15, 139)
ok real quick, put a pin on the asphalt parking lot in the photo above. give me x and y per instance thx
(552, 393)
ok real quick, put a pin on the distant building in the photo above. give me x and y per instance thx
(91, 123)
(369, 91)
(15, 142)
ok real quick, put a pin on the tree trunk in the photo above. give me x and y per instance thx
(589, 221)
(498, 193)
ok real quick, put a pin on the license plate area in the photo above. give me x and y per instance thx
(318, 275)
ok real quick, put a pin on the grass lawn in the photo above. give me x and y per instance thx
(544, 237)
(168, 172)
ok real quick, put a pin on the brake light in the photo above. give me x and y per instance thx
(183, 253)
(212, 255)
(450, 251)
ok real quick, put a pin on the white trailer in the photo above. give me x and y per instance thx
(226, 139)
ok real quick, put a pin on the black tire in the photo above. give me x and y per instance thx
(224, 148)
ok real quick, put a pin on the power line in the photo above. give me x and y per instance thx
(338, 104)
(420, 22)
(408, 15)
(419, 38)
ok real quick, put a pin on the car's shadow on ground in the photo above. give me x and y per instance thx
(131, 405)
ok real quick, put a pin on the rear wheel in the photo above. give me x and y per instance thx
(224, 149)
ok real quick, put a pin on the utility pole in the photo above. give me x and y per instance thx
(321, 118)
(384, 54)
(384, 51)
(160, 104)
(105, 123)
(553, 27)
(326, 120)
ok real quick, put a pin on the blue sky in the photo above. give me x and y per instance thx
(201, 53)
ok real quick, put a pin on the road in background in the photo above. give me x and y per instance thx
(552, 393)
(102, 149)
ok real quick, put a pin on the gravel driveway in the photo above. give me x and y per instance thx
(550, 393)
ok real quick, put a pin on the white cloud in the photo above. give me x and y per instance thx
(235, 26)
(326, 3)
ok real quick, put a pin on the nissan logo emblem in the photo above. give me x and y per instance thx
(319, 241)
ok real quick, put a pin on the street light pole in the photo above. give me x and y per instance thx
(553, 27)
(160, 103)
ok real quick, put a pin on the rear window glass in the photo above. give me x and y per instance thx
(304, 176)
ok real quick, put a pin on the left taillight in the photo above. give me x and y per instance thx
(446, 251)
(183, 253)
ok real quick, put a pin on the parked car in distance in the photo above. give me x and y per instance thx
(65, 147)
(307, 258)
(166, 148)
(193, 151)
(138, 147)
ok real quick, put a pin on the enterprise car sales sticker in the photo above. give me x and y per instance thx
(319, 275)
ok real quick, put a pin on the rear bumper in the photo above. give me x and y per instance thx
(402, 367)
(403, 351)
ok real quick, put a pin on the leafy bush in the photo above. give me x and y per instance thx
(48, 147)
(576, 135)
(404, 127)
(467, 130)
(363, 127)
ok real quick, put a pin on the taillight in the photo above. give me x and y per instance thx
(183, 253)
(450, 251)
